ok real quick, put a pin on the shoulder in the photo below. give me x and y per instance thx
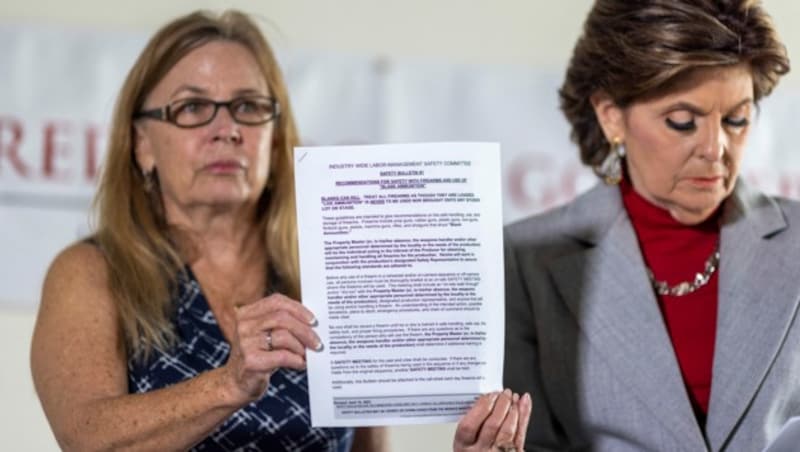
(536, 240)
(790, 208)
(540, 227)
(82, 252)
(770, 215)
(584, 219)
(81, 263)
(77, 280)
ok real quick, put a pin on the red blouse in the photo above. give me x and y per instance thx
(675, 253)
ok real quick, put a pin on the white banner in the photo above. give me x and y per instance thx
(58, 87)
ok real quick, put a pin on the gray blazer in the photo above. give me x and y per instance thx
(584, 334)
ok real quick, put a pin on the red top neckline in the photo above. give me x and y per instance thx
(675, 252)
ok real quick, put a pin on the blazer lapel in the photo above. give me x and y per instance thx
(759, 291)
(607, 289)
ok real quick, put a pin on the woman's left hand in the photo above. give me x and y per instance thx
(497, 422)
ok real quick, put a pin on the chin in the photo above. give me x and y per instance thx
(705, 197)
(697, 206)
(224, 197)
(225, 190)
(700, 212)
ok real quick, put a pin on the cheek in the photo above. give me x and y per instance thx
(262, 158)
(174, 158)
(735, 149)
(658, 155)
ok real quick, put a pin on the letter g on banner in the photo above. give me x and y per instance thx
(536, 181)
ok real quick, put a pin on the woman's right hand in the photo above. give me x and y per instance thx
(272, 332)
(497, 422)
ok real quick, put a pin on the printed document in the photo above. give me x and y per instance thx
(401, 260)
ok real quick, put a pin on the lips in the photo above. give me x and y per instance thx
(224, 166)
(706, 182)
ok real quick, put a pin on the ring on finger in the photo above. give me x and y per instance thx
(268, 340)
(507, 448)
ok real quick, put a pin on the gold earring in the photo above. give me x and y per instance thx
(149, 180)
(610, 169)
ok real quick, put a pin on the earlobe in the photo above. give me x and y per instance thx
(142, 150)
(609, 116)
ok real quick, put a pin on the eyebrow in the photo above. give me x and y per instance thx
(190, 88)
(201, 91)
(698, 111)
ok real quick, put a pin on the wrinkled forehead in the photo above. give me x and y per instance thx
(218, 69)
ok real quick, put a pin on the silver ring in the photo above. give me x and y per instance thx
(268, 340)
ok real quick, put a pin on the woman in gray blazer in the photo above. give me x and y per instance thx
(658, 310)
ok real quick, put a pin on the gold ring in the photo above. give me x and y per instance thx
(268, 339)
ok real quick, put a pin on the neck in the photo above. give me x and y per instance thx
(217, 235)
(681, 214)
(685, 216)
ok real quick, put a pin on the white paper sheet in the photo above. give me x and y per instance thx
(401, 261)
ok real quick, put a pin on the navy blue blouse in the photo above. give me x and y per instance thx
(279, 421)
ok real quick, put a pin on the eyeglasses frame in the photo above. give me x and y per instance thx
(164, 113)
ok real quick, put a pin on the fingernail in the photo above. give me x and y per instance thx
(318, 347)
(312, 321)
(526, 398)
(507, 392)
(515, 397)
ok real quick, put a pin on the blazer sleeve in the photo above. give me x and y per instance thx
(521, 363)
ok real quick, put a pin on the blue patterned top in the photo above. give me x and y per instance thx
(279, 421)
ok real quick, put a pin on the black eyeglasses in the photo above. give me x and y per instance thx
(197, 111)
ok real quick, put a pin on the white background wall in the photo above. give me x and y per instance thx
(498, 32)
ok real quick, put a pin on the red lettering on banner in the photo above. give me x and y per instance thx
(557, 184)
(54, 147)
(789, 185)
(783, 183)
(11, 149)
(753, 178)
(92, 137)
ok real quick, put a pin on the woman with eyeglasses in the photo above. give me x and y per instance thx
(176, 325)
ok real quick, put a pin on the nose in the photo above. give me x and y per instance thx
(714, 142)
(225, 128)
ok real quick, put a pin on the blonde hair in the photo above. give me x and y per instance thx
(132, 231)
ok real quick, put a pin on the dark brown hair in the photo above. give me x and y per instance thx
(635, 49)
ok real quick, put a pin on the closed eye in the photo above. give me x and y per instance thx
(736, 122)
(685, 126)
